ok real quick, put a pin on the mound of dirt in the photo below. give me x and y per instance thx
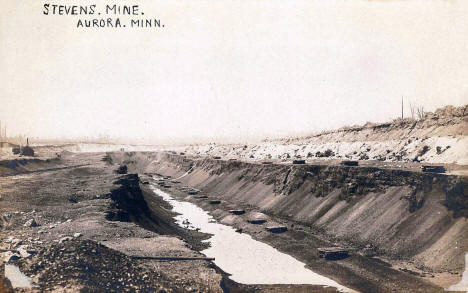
(86, 266)
(440, 137)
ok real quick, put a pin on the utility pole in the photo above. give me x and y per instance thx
(402, 107)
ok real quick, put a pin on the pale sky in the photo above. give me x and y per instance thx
(229, 68)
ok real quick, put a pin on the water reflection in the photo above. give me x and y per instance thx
(247, 260)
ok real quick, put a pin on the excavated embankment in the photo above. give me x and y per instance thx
(440, 137)
(133, 203)
(401, 215)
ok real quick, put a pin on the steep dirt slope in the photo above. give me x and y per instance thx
(401, 215)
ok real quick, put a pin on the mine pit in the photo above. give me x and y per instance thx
(247, 261)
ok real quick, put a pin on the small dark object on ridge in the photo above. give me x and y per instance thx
(299, 162)
(277, 229)
(257, 221)
(122, 169)
(27, 151)
(108, 159)
(332, 253)
(433, 169)
(349, 163)
(237, 212)
(73, 199)
(16, 150)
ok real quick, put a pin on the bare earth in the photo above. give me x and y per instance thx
(76, 248)
(70, 222)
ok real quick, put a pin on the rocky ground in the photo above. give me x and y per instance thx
(440, 138)
(71, 223)
(361, 271)
(399, 242)
(54, 228)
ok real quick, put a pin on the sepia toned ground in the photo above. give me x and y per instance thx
(75, 247)
(439, 138)
(75, 200)
(70, 222)
(394, 247)
(78, 246)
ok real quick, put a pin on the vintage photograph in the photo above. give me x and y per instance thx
(234, 146)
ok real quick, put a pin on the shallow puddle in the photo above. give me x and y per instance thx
(247, 260)
(463, 284)
(16, 277)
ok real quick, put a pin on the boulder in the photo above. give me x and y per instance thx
(332, 253)
(24, 251)
(63, 239)
(122, 169)
(237, 212)
(9, 257)
(277, 229)
(349, 163)
(31, 223)
(257, 218)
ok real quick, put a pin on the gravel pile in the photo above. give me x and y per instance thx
(91, 267)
